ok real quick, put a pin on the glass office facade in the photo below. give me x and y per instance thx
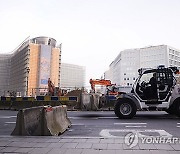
(4, 73)
(30, 66)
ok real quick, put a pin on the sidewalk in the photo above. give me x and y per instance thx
(67, 145)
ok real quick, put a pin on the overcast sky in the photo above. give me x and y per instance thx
(92, 32)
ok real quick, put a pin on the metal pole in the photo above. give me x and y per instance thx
(28, 70)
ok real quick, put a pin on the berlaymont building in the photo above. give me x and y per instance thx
(27, 69)
(123, 71)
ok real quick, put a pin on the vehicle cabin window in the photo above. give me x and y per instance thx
(146, 77)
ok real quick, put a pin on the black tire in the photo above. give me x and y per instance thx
(171, 110)
(125, 109)
(177, 109)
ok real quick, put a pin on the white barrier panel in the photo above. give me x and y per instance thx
(90, 101)
(86, 101)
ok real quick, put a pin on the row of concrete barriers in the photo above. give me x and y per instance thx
(95, 101)
(17, 103)
(82, 101)
(42, 121)
(40, 98)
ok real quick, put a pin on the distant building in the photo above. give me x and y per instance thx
(124, 69)
(27, 69)
(5, 64)
(72, 76)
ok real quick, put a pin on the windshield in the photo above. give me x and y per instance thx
(146, 78)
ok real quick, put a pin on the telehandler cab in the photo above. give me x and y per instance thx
(154, 89)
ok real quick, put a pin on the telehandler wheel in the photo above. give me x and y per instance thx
(177, 109)
(125, 109)
(171, 110)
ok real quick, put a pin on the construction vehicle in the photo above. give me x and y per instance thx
(55, 91)
(106, 95)
(154, 89)
(110, 88)
(51, 88)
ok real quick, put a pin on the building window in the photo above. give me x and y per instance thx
(134, 78)
(124, 73)
(170, 61)
(127, 78)
(124, 78)
(128, 84)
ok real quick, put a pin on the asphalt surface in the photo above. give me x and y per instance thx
(105, 124)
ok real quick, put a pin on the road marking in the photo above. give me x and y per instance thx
(70, 130)
(77, 124)
(108, 118)
(178, 126)
(83, 118)
(135, 126)
(130, 123)
(107, 132)
(7, 117)
(10, 122)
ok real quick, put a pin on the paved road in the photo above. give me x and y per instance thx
(106, 124)
(94, 124)
(7, 121)
(95, 133)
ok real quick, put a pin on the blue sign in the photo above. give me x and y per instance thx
(44, 81)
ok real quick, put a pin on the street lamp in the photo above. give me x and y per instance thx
(28, 70)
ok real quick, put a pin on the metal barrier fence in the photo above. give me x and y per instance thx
(40, 98)
(17, 103)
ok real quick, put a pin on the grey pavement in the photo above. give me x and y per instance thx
(62, 145)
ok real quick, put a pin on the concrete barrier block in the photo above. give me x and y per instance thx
(17, 105)
(95, 101)
(55, 103)
(28, 98)
(86, 101)
(44, 121)
(18, 98)
(90, 101)
(3, 98)
(1, 105)
(25, 98)
(73, 98)
(29, 122)
(57, 120)
(5, 105)
(63, 98)
(40, 98)
(47, 98)
(38, 103)
(8, 98)
(54, 98)
(14, 105)
(31, 98)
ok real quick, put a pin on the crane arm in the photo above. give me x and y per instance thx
(99, 82)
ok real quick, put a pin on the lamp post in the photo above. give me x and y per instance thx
(28, 70)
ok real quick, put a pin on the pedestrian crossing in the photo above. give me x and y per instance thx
(178, 125)
(132, 125)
